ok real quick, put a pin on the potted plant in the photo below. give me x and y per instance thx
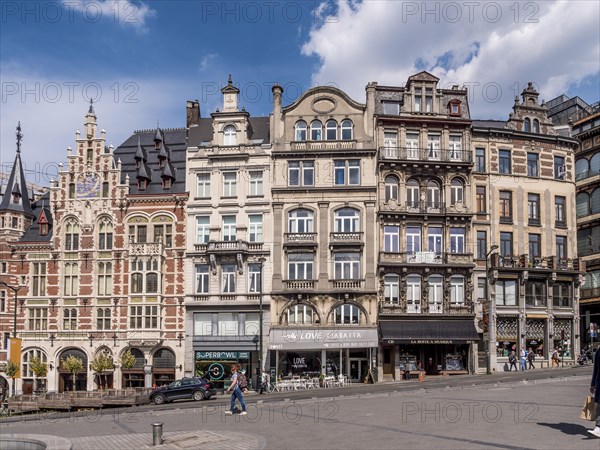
(322, 380)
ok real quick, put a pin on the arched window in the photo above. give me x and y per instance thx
(77, 354)
(346, 314)
(412, 193)
(457, 290)
(229, 135)
(151, 282)
(391, 289)
(316, 128)
(331, 130)
(413, 294)
(527, 125)
(582, 167)
(139, 358)
(300, 131)
(164, 359)
(137, 283)
(595, 165)
(583, 204)
(300, 221)
(536, 126)
(347, 130)
(433, 195)
(28, 357)
(391, 188)
(71, 236)
(456, 191)
(595, 203)
(105, 234)
(436, 298)
(300, 315)
(347, 220)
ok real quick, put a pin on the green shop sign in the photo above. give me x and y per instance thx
(221, 356)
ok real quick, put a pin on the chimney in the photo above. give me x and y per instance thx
(275, 124)
(192, 113)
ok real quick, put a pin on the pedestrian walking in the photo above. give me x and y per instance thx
(236, 390)
(595, 390)
(555, 359)
(523, 359)
(512, 359)
(531, 358)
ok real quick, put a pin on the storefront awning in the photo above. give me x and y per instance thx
(428, 331)
(322, 338)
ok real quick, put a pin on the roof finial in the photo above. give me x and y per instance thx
(91, 110)
(229, 82)
(19, 137)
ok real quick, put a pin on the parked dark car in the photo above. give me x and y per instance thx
(186, 388)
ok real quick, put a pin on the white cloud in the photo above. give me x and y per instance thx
(496, 47)
(124, 12)
(207, 60)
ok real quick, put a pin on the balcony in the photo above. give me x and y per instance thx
(394, 308)
(347, 284)
(425, 155)
(300, 239)
(426, 258)
(551, 263)
(146, 249)
(346, 239)
(299, 285)
(323, 145)
(426, 208)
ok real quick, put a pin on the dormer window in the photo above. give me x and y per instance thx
(43, 229)
(454, 108)
(391, 108)
(167, 183)
(229, 135)
(16, 198)
(90, 155)
(527, 125)
(161, 163)
(536, 126)
(142, 184)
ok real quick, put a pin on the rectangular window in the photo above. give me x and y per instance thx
(138, 234)
(413, 239)
(3, 266)
(562, 294)
(455, 148)
(506, 244)
(412, 145)
(534, 245)
(254, 284)
(457, 291)
(505, 206)
(203, 324)
(164, 233)
(70, 319)
(203, 185)
(39, 280)
(418, 101)
(255, 228)
(504, 162)
(533, 209)
(434, 239)
(391, 108)
(228, 278)
(347, 172)
(252, 324)
(70, 279)
(229, 184)
(104, 278)
(532, 164)
(480, 200)
(347, 266)
(391, 289)
(202, 279)
(391, 239)
(433, 146)
(256, 183)
(105, 189)
(390, 139)
(38, 319)
(506, 292)
(229, 228)
(300, 266)
(560, 169)
(481, 288)
(71, 190)
(481, 244)
(227, 324)
(457, 240)
(560, 211)
(202, 229)
(429, 100)
(561, 247)
(2, 301)
(535, 293)
(103, 319)
(143, 317)
(480, 160)
(301, 173)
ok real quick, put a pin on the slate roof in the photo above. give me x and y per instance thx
(175, 141)
(16, 185)
(489, 124)
(33, 233)
(202, 134)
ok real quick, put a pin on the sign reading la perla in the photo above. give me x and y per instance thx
(318, 338)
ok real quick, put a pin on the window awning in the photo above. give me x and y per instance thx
(428, 331)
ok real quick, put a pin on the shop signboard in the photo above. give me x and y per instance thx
(322, 338)
(222, 356)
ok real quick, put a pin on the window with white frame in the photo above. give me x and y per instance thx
(390, 144)
(391, 239)
(229, 228)
(144, 276)
(228, 324)
(347, 266)
(435, 294)
(202, 229)
(228, 275)
(457, 291)
(413, 197)
(418, 107)
(429, 100)
(346, 314)
(391, 289)
(254, 284)
(347, 131)
(482, 288)
(412, 145)
(38, 279)
(203, 185)
(347, 172)
(391, 188)
(37, 319)
(455, 143)
(457, 240)
(143, 317)
(433, 195)
(202, 279)
(229, 135)
(391, 108)
(300, 131)
(347, 220)
(163, 233)
(70, 319)
(433, 146)
(71, 236)
(456, 191)
(105, 234)
(301, 173)
(300, 221)
(331, 130)
(506, 292)
(256, 182)
(71, 276)
(413, 293)
(300, 315)
(103, 319)
(300, 266)
(229, 184)
(316, 130)
(203, 324)
(435, 239)
(255, 228)
(413, 239)
(28, 356)
(105, 278)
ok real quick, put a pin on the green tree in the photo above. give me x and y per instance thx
(102, 363)
(127, 359)
(73, 364)
(11, 370)
(39, 369)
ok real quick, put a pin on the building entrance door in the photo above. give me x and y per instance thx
(358, 369)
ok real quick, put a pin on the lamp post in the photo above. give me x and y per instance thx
(488, 355)
(261, 261)
(16, 292)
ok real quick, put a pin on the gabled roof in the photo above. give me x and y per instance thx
(41, 215)
(17, 185)
(230, 87)
(202, 135)
(422, 76)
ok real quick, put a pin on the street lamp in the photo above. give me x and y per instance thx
(15, 291)
(261, 261)
(488, 355)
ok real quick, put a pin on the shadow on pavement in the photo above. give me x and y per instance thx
(572, 429)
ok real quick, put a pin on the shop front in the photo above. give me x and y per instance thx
(310, 352)
(216, 366)
(438, 347)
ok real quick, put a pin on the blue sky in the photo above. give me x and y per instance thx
(147, 58)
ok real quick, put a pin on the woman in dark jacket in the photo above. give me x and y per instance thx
(595, 390)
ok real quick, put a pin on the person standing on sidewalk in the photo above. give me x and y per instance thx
(523, 359)
(595, 390)
(555, 359)
(512, 359)
(236, 391)
(531, 358)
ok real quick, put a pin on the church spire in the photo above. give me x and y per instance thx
(16, 196)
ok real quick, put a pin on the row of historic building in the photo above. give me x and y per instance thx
(382, 236)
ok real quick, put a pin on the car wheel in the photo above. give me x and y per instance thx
(159, 399)
(198, 395)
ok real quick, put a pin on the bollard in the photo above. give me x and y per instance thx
(157, 430)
